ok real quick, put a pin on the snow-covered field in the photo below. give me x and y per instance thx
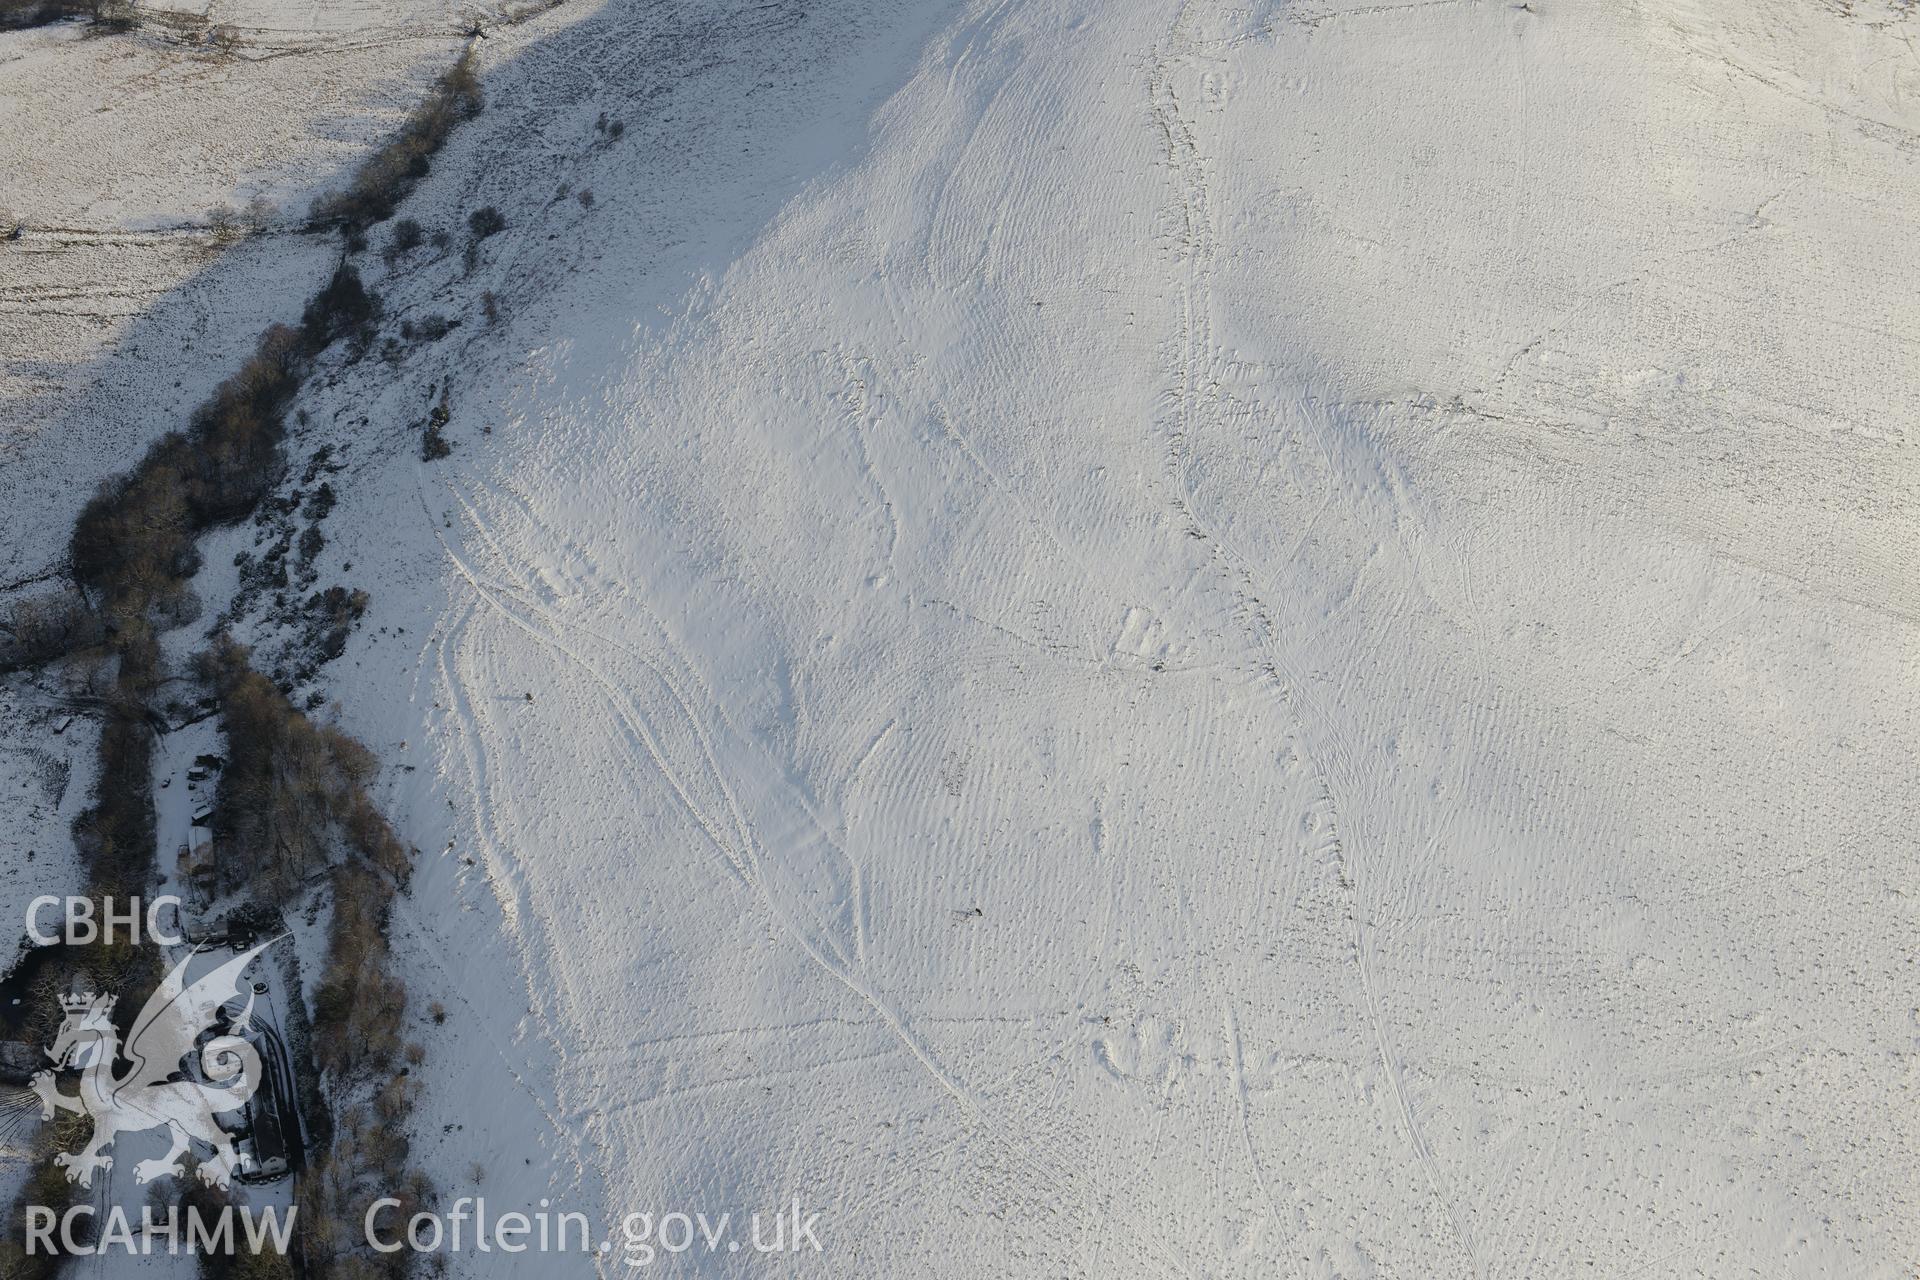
(1127, 637)
(121, 304)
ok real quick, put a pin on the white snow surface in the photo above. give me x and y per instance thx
(1183, 639)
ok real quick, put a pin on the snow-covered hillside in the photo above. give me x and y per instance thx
(1125, 637)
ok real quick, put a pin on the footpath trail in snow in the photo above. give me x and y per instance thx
(1185, 639)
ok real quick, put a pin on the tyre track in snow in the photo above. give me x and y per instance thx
(597, 584)
(744, 860)
(1015, 1141)
(518, 915)
(592, 579)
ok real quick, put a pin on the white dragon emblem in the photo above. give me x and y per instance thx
(151, 1094)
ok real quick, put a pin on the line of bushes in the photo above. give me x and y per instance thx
(134, 546)
(131, 556)
(295, 791)
(105, 15)
(293, 794)
(133, 553)
(380, 184)
(135, 541)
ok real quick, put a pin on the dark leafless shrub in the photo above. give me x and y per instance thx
(343, 307)
(429, 328)
(433, 444)
(223, 223)
(330, 618)
(176, 607)
(320, 503)
(406, 236)
(312, 541)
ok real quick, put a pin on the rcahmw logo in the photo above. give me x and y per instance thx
(267, 1230)
(150, 1093)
